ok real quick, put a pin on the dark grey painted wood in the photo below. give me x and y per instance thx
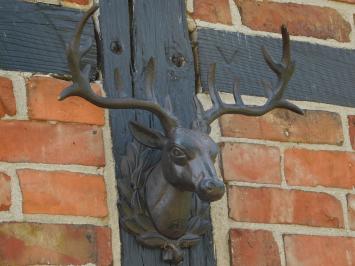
(323, 74)
(115, 27)
(33, 37)
(159, 31)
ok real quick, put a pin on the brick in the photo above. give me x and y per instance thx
(54, 244)
(7, 98)
(38, 142)
(5, 192)
(301, 20)
(213, 11)
(283, 125)
(78, 2)
(43, 104)
(346, 1)
(351, 119)
(320, 168)
(251, 163)
(319, 250)
(253, 248)
(271, 205)
(351, 210)
(60, 192)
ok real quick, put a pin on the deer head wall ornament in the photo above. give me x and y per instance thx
(168, 178)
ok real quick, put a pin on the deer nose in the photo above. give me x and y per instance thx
(211, 190)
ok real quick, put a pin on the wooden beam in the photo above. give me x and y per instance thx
(323, 74)
(33, 37)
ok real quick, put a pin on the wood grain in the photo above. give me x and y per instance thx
(323, 74)
(33, 37)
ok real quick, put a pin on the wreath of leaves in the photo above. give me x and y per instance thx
(135, 169)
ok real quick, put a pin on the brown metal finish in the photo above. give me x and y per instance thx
(169, 177)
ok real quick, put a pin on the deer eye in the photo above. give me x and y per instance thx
(178, 155)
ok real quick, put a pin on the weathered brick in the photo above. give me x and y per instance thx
(7, 98)
(351, 210)
(43, 104)
(78, 2)
(319, 250)
(320, 168)
(253, 248)
(33, 244)
(271, 205)
(251, 163)
(5, 192)
(27, 141)
(351, 119)
(346, 1)
(284, 125)
(60, 192)
(213, 11)
(301, 20)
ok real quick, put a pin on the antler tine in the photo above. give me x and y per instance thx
(283, 70)
(236, 93)
(215, 98)
(81, 84)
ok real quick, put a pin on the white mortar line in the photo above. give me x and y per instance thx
(346, 133)
(280, 244)
(318, 189)
(16, 195)
(112, 194)
(189, 6)
(344, 205)
(287, 145)
(64, 219)
(293, 229)
(282, 167)
(53, 167)
(219, 215)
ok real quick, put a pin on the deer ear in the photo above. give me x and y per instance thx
(147, 136)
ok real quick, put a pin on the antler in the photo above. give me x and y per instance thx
(81, 84)
(283, 70)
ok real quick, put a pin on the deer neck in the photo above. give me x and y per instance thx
(168, 206)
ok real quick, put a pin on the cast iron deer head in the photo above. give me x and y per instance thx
(187, 155)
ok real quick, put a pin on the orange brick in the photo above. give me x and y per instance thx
(253, 248)
(7, 98)
(65, 193)
(213, 11)
(320, 168)
(346, 1)
(283, 125)
(271, 205)
(5, 192)
(301, 20)
(43, 104)
(54, 244)
(319, 250)
(78, 2)
(251, 163)
(37, 142)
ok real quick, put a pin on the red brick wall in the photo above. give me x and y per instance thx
(54, 176)
(79, 4)
(289, 178)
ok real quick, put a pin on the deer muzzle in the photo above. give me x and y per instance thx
(211, 189)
